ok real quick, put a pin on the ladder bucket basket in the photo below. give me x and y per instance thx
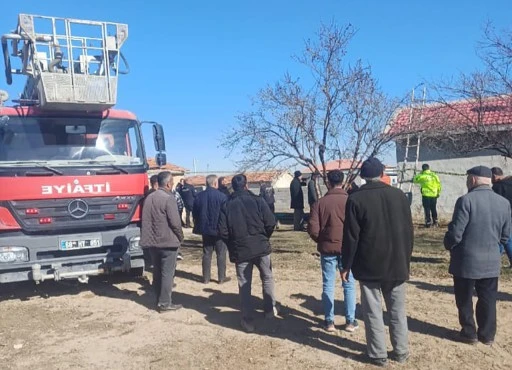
(71, 64)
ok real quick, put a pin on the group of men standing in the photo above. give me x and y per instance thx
(240, 224)
(366, 235)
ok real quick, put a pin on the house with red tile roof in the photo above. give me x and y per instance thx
(438, 125)
(337, 164)
(178, 172)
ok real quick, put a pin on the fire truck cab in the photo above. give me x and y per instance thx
(73, 170)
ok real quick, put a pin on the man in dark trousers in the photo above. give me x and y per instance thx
(481, 221)
(206, 220)
(312, 195)
(430, 191)
(161, 233)
(377, 247)
(325, 226)
(502, 185)
(188, 194)
(297, 201)
(246, 224)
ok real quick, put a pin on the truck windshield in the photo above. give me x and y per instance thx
(69, 141)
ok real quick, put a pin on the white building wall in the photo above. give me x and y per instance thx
(451, 169)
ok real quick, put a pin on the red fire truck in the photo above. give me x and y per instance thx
(73, 171)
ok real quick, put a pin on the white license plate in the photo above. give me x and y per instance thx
(85, 242)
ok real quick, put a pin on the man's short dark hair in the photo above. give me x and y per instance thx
(153, 180)
(496, 171)
(335, 177)
(163, 178)
(239, 182)
(425, 167)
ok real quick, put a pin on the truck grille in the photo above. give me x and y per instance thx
(75, 213)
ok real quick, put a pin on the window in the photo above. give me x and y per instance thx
(70, 140)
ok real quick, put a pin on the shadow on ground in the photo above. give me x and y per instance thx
(222, 309)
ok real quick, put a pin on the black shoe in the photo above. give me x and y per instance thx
(400, 358)
(226, 279)
(170, 307)
(380, 362)
(460, 337)
(206, 281)
(488, 342)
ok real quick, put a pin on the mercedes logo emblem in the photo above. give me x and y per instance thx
(78, 208)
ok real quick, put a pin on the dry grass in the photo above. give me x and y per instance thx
(296, 250)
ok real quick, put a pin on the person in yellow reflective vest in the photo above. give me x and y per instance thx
(430, 190)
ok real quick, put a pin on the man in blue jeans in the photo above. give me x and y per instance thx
(325, 227)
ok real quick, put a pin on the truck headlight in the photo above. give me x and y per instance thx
(13, 254)
(134, 243)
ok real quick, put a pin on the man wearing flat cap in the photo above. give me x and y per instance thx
(377, 247)
(481, 221)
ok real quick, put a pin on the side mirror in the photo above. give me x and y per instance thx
(160, 159)
(158, 136)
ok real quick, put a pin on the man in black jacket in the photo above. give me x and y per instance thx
(206, 219)
(502, 185)
(246, 224)
(377, 248)
(297, 201)
(188, 194)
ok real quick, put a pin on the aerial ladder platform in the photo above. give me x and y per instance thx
(70, 64)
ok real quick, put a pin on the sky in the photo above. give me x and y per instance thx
(196, 64)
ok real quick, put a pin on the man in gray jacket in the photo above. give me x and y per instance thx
(162, 234)
(481, 221)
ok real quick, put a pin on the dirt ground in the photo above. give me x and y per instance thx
(110, 322)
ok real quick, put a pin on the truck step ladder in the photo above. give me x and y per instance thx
(71, 64)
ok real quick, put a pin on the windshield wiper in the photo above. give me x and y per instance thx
(51, 169)
(111, 165)
(32, 164)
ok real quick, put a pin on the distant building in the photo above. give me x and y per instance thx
(177, 172)
(390, 173)
(278, 179)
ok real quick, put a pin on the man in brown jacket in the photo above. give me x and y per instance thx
(325, 227)
(162, 234)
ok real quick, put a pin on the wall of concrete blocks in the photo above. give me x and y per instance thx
(451, 169)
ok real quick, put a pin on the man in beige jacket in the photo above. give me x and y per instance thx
(162, 234)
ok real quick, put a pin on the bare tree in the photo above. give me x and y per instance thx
(339, 112)
(472, 112)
